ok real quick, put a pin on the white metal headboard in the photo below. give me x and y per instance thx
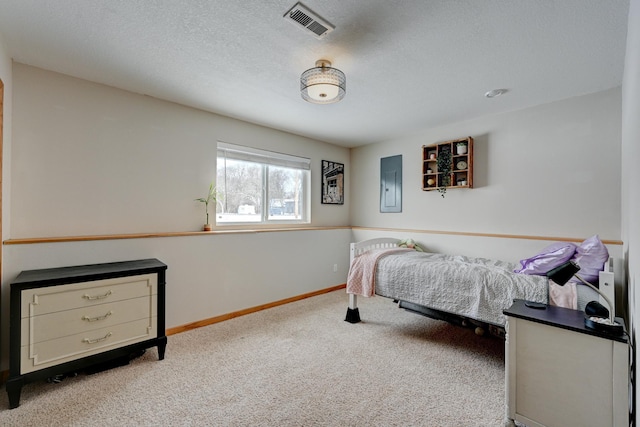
(358, 248)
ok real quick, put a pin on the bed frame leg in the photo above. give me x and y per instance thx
(353, 315)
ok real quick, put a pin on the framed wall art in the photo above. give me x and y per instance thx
(332, 183)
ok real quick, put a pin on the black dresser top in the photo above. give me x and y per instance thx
(81, 273)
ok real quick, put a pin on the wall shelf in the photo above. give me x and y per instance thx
(461, 175)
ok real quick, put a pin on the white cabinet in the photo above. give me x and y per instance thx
(561, 374)
(69, 318)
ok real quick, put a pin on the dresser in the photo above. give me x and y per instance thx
(560, 373)
(71, 318)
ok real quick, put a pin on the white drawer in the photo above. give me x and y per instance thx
(69, 322)
(38, 301)
(53, 352)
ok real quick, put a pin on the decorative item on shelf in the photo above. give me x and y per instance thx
(462, 182)
(429, 170)
(431, 182)
(461, 165)
(444, 167)
(461, 148)
(212, 196)
(432, 156)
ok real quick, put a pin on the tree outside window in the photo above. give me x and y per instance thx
(257, 186)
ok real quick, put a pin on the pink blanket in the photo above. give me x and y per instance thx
(362, 272)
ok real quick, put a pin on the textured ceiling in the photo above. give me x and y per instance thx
(410, 65)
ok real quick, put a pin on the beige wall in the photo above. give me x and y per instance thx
(7, 78)
(630, 169)
(550, 170)
(91, 159)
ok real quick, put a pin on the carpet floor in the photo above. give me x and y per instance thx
(299, 364)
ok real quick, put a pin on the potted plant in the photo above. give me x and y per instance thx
(444, 168)
(461, 148)
(212, 196)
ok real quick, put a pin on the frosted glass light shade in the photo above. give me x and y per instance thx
(323, 84)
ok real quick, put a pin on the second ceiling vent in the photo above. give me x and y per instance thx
(305, 19)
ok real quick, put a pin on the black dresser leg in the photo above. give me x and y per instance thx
(162, 345)
(14, 387)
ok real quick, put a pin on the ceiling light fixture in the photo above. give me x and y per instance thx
(323, 84)
(495, 93)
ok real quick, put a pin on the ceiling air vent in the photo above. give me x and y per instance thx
(305, 19)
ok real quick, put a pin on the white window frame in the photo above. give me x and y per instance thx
(267, 158)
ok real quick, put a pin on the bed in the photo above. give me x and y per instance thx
(466, 291)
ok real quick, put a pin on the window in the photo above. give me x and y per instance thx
(258, 186)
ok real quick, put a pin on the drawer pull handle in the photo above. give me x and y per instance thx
(88, 341)
(93, 319)
(90, 298)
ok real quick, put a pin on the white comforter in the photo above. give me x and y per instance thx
(477, 288)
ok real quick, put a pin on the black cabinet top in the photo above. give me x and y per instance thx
(55, 276)
(560, 317)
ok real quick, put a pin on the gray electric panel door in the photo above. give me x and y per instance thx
(391, 184)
